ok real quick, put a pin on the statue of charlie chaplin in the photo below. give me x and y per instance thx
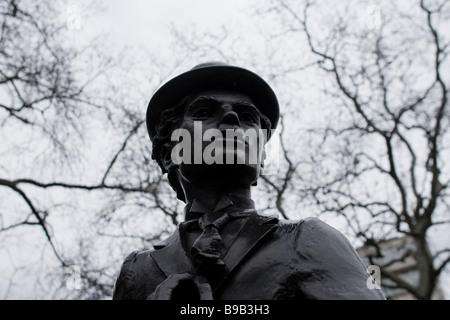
(225, 250)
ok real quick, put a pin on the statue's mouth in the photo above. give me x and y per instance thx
(235, 143)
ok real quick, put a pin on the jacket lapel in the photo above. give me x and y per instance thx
(171, 256)
(255, 229)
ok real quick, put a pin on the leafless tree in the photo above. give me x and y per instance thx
(379, 160)
(56, 101)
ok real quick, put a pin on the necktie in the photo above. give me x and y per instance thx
(208, 248)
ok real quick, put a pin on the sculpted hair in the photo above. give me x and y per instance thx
(170, 120)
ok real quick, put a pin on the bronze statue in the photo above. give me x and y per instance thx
(225, 250)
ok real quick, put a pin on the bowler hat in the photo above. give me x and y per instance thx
(213, 75)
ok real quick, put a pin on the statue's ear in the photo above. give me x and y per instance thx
(166, 156)
(263, 157)
(171, 169)
(175, 183)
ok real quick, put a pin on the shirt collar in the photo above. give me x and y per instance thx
(232, 203)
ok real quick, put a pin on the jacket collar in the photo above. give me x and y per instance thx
(172, 258)
(229, 202)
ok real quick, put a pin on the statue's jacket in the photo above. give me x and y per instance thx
(270, 259)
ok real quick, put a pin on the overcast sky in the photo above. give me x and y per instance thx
(147, 23)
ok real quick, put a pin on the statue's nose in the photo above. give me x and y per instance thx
(230, 120)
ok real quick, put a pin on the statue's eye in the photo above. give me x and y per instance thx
(247, 117)
(202, 113)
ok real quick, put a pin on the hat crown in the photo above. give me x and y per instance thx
(210, 64)
(212, 75)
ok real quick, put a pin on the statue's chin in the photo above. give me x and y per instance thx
(241, 175)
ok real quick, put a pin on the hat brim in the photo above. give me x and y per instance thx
(223, 77)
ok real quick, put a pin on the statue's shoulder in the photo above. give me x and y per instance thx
(305, 223)
(138, 272)
(313, 225)
(311, 228)
(309, 222)
(137, 260)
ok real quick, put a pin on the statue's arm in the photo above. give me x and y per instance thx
(126, 278)
(138, 278)
(334, 269)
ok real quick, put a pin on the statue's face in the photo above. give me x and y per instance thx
(226, 140)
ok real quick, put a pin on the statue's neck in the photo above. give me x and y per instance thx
(210, 194)
(210, 190)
